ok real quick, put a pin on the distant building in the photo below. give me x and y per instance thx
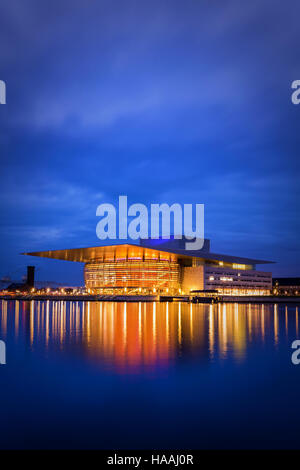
(164, 266)
(286, 285)
(23, 286)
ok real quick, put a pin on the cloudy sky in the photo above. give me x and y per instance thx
(164, 101)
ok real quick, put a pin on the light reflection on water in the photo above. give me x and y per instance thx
(130, 337)
(148, 375)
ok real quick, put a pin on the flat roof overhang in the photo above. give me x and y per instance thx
(126, 250)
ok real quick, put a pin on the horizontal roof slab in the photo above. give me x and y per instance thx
(124, 251)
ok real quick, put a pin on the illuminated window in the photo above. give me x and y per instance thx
(211, 278)
(239, 266)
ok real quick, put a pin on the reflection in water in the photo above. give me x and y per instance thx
(276, 323)
(133, 336)
(3, 317)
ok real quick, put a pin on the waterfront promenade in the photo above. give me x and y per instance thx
(269, 299)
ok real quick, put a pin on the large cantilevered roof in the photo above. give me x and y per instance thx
(126, 250)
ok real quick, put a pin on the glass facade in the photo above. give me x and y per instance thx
(135, 274)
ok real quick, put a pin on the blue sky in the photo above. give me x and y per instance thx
(164, 101)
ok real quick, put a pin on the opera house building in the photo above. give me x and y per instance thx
(164, 267)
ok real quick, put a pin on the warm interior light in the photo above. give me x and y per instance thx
(238, 266)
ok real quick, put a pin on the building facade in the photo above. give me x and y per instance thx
(164, 266)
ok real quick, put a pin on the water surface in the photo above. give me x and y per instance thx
(148, 375)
